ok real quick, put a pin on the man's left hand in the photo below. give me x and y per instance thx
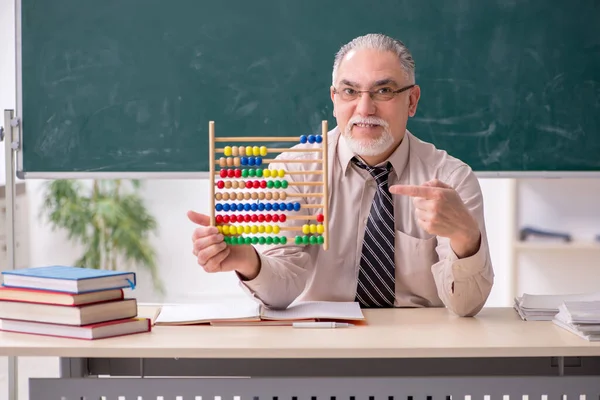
(440, 211)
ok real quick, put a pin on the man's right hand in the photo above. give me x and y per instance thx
(215, 256)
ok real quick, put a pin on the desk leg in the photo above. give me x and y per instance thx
(74, 368)
(13, 378)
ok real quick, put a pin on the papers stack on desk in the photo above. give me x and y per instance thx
(532, 307)
(251, 313)
(72, 302)
(581, 318)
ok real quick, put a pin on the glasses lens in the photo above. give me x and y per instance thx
(383, 96)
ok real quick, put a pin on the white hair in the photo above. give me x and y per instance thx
(377, 41)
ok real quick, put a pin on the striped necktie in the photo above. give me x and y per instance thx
(376, 280)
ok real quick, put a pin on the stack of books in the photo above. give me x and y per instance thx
(581, 318)
(543, 307)
(80, 303)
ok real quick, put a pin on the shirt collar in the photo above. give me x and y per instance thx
(399, 158)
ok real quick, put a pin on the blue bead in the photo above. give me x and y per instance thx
(244, 160)
(261, 207)
(319, 138)
(246, 207)
(225, 207)
(258, 161)
(282, 206)
(219, 207)
(311, 138)
(275, 207)
(254, 207)
(240, 207)
(303, 139)
(290, 206)
(268, 207)
(250, 161)
(296, 206)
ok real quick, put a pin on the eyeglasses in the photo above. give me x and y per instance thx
(382, 94)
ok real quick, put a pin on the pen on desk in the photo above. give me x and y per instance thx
(321, 325)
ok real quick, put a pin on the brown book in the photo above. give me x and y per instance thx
(59, 298)
(69, 315)
(100, 330)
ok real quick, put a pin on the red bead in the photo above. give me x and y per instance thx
(223, 173)
(282, 217)
(240, 218)
(247, 218)
(320, 218)
(254, 218)
(261, 218)
(238, 173)
(248, 184)
(268, 218)
(226, 219)
(220, 184)
(263, 184)
(256, 184)
(219, 219)
(231, 173)
(275, 218)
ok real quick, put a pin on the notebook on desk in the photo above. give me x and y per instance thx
(254, 314)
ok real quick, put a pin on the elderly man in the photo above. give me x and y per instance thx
(405, 219)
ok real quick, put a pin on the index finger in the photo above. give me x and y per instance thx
(425, 192)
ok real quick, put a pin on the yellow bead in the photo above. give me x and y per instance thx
(266, 173)
(247, 229)
(320, 228)
(254, 229)
(313, 228)
(225, 230)
(276, 229)
(263, 151)
(256, 151)
(305, 229)
(261, 229)
(248, 151)
(268, 229)
(240, 229)
(220, 228)
(281, 173)
(227, 151)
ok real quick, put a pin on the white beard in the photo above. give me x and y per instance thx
(369, 147)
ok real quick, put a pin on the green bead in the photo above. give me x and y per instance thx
(259, 173)
(320, 240)
(275, 239)
(244, 173)
(277, 184)
(248, 240)
(282, 240)
(298, 240)
(312, 240)
(226, 240)
(270, 184)
(305, 240)
(284, 184)
(261, 240)
(252, 172)
(254, 240)
(269, 240)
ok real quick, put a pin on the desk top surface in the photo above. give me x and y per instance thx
(395, 333)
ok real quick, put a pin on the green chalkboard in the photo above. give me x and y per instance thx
(130, 85)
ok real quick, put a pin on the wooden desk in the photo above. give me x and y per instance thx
(405, 343)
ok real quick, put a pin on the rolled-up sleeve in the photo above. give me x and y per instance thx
(465, 284)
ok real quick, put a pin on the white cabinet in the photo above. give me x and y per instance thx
(569, 205)
(21, 228)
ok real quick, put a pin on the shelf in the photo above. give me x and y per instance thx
(575, 245)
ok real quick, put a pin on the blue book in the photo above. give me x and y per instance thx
(68, 279)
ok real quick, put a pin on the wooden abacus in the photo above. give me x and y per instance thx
(236, 172)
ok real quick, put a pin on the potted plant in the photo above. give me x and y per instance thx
(108, 219)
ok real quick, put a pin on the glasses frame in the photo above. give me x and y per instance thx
(372, 93)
